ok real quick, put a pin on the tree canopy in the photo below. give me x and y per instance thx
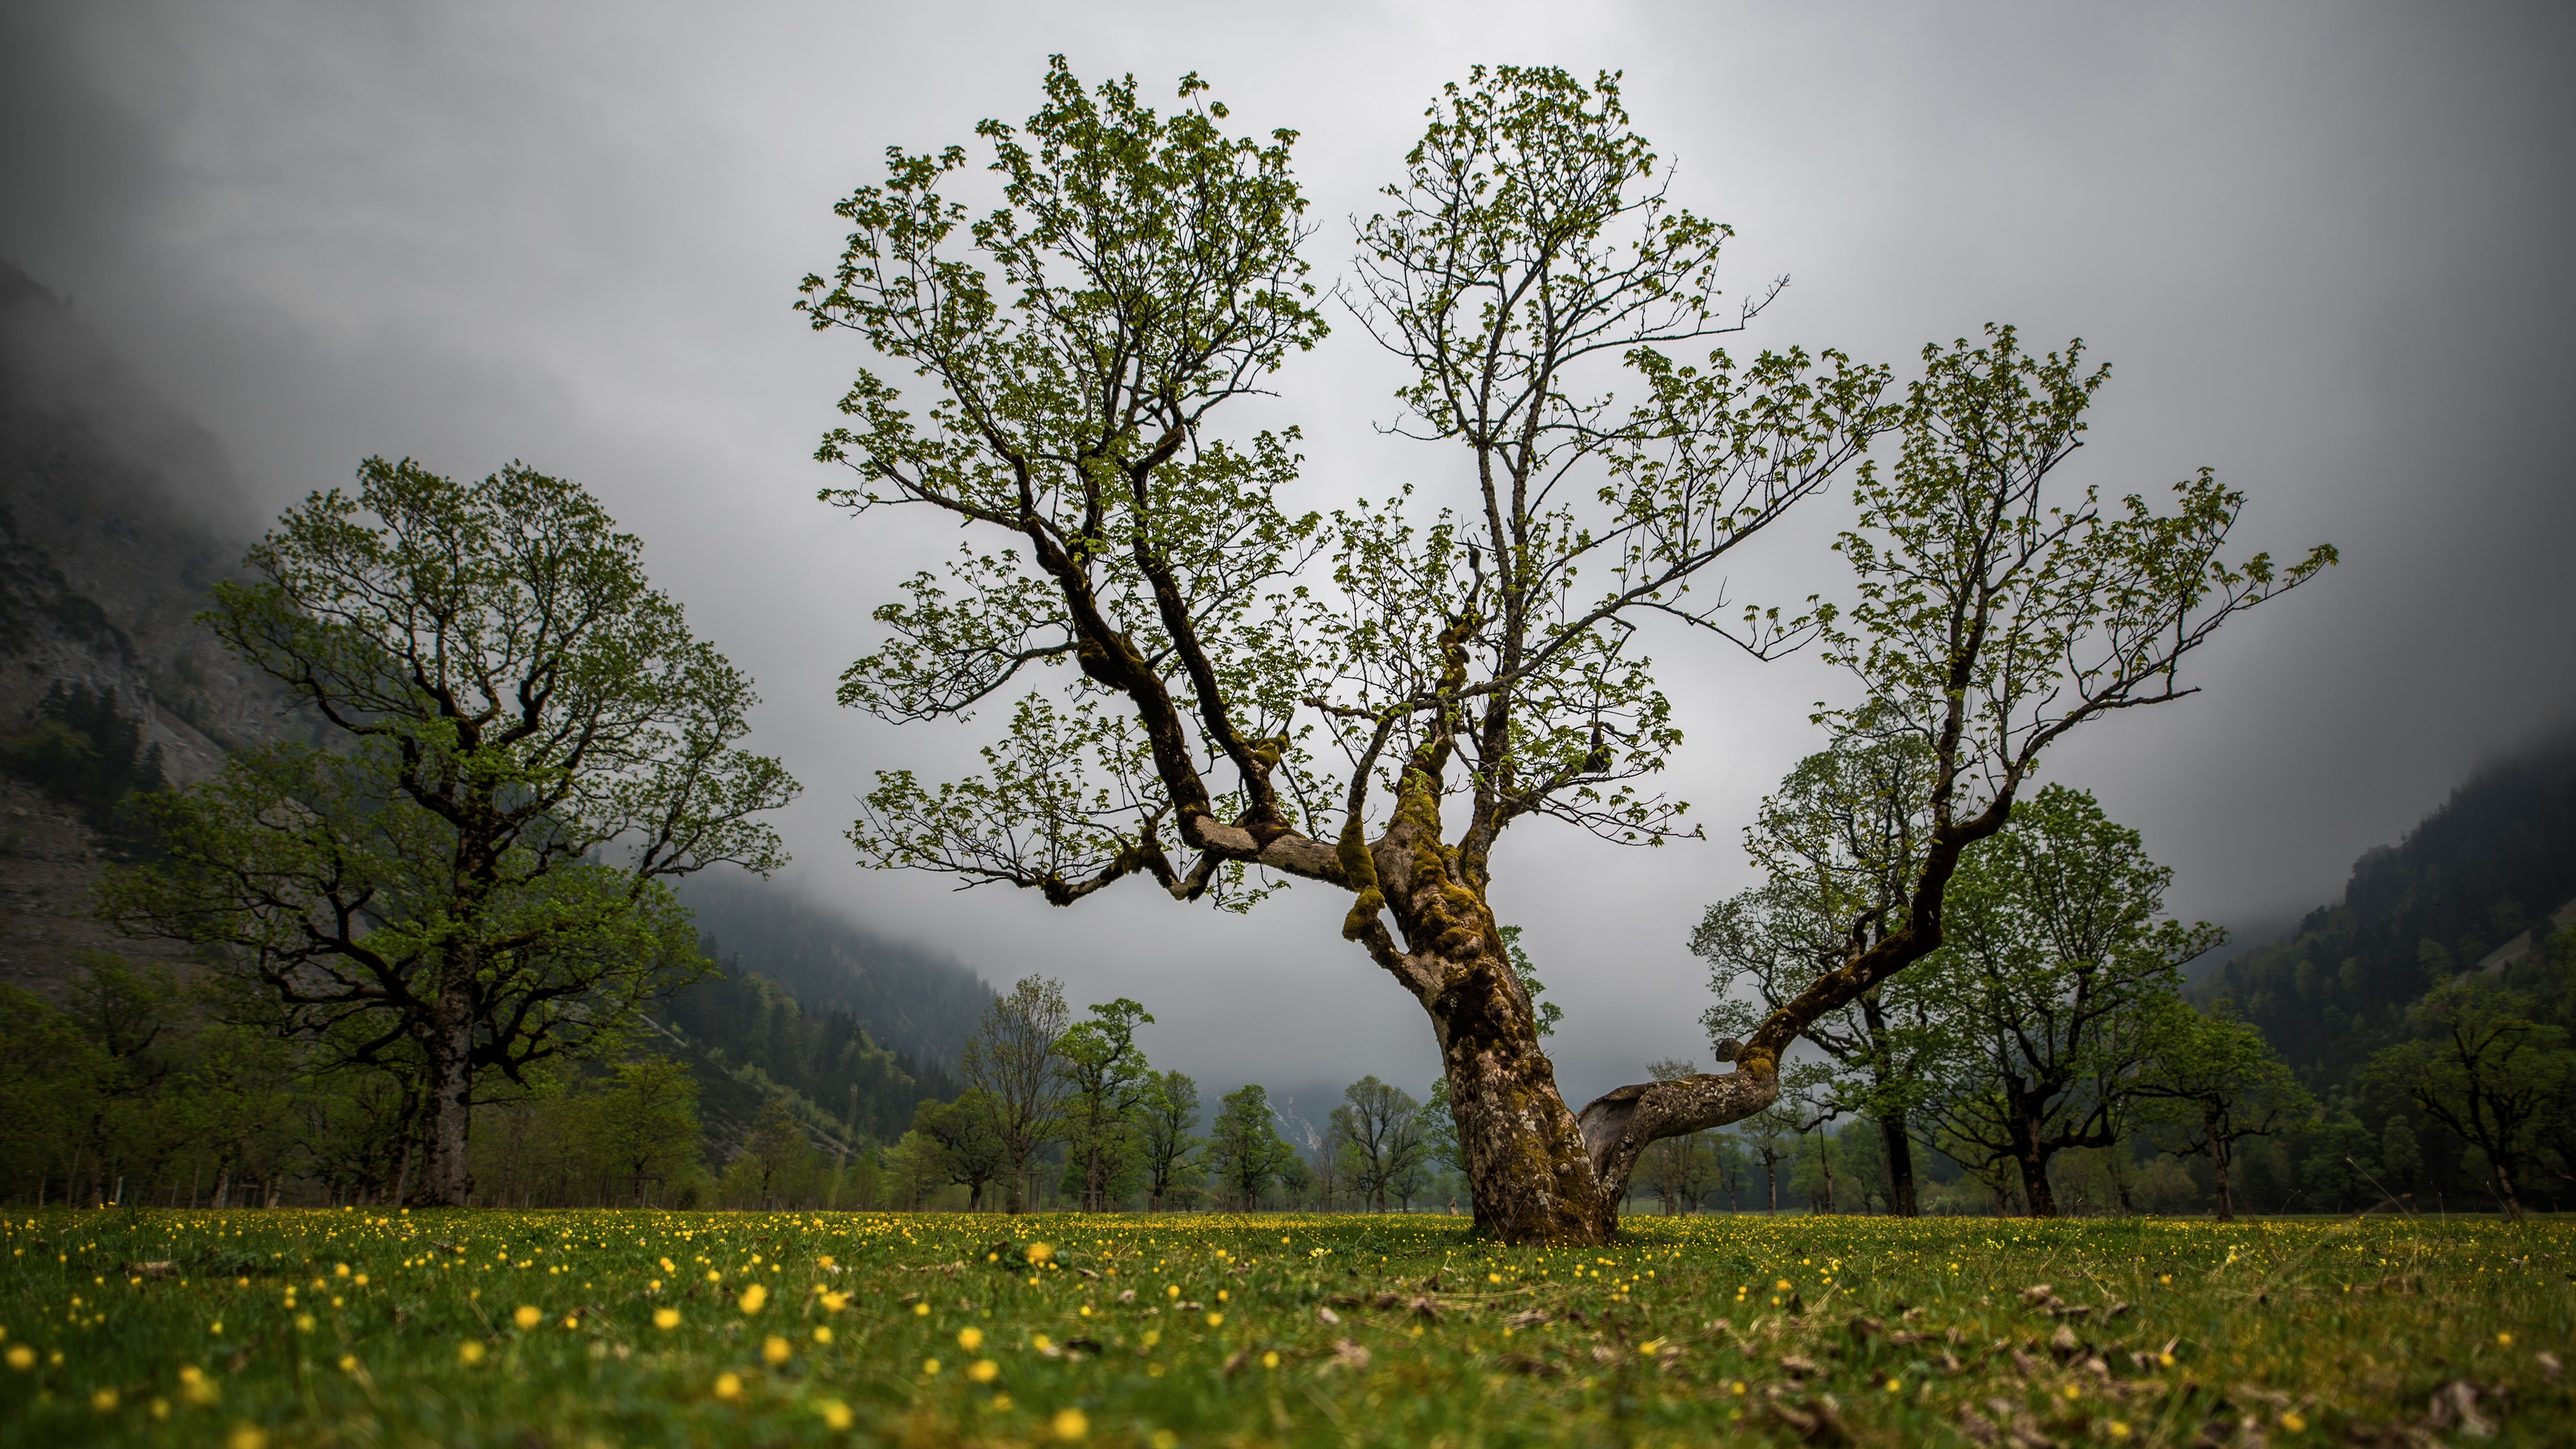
(530, 744)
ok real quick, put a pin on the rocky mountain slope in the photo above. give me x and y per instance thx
(116, 514)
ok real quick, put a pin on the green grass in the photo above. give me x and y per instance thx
(1888, 1332)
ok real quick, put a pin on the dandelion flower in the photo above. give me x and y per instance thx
(21, 1357)
(469, 1353)
(822, 1333)
(246, 1436)
(2294, 1421)
(930, 1368)
(835, 1302)
(836, 1415)
(348, 1363)
(776, 1350)
(2504, 1340)
(755, 1298)
(1040, 1252)
(666, 1318)
(104, 1401)
(1071, 1424)
(527, 1316)
(970, 1339)
(983, 1371)
(1270, 1360)
(1216, 1320)
(728, 1387)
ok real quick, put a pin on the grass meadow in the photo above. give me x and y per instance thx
(269, 1329)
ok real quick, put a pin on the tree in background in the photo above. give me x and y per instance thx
(1245, 1152)
(2061, 978)
(1014, 1059)
(1678, 1169)
(1106, 1081)
(971, 1147)
(1840, 843)
(914, 1167)
(1770, 1136)
(2218, 1082)
(128, 1014)
(1369, 701)
(775, 1159)
(648, 1123)
(532, 745)
(2485, 1071)
(48, 1072)
(1169, 1111)
(1380, 1131)
(1729, 1165)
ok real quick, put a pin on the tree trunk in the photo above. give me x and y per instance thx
(445, 1179)
(1901, 1199)
(2032, 1159)
(1538, 1173)
(2219, 1144)
(2504, 1190)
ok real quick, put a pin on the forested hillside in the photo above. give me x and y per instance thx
(2499, 855)
(753, 1028)
(917, 1002)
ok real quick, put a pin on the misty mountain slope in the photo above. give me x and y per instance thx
(914, 1001)
(2494, 859)
(115, 516)
(756, 1036)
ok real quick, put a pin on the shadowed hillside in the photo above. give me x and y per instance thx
(2499, 855)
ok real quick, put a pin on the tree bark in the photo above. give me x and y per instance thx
(445, 1179)
(1900, 1166)
(2220, 1143)
(2031, 1156)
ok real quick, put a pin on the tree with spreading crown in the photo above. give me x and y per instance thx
(1368, 698)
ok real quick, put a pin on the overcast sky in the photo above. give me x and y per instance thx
(2325, 246)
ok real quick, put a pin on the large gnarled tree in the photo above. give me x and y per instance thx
(1369, 699)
